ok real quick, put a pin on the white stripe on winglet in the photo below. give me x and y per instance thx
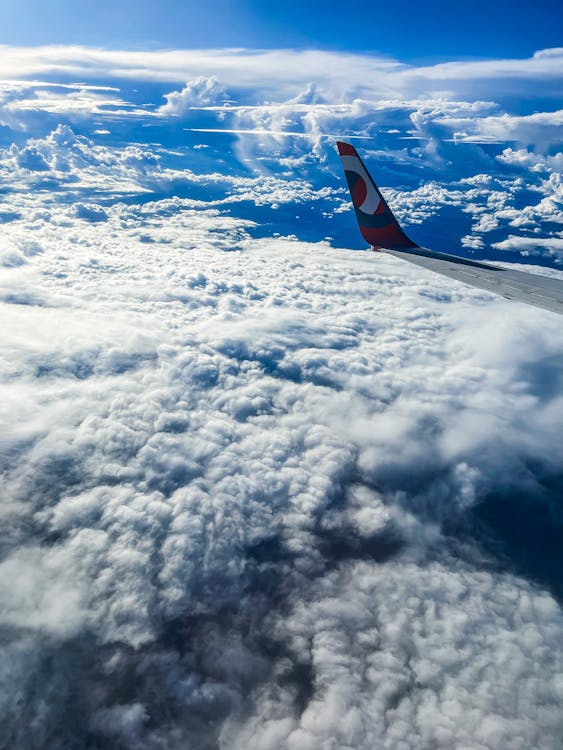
(372, 201)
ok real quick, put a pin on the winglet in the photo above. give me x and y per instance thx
(378, 226)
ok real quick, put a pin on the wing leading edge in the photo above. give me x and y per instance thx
(382, 231)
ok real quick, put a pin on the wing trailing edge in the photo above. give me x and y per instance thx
(382, 231)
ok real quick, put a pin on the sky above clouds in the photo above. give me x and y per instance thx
(259, 489)
(427, 32)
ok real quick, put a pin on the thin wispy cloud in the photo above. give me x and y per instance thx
(250, 67)
(281, 133)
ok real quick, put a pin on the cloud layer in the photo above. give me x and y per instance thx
(229, 469)
(259, 492)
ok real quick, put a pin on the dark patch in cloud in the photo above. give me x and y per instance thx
(523, 531)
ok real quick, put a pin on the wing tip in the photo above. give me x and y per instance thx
(346, 149)
(376, 221)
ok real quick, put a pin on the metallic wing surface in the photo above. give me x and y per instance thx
(382, 231)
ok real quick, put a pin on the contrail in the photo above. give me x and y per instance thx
(238, 131)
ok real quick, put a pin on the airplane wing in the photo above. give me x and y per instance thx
(382, 231)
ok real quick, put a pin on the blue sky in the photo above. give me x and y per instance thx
(409, 30)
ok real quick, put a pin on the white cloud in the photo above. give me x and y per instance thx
(231, 464)
(268, 79)
(422, 650)
(198, 92)
(532, 245)
(23, 102)
(534, 161)
(540, 128)
(63, 160)
(248, 67)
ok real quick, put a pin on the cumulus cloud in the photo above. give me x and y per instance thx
(536, 162)
(64, 160)
(239, 477)
(541, 128)
(198, 92)
(532, 245)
